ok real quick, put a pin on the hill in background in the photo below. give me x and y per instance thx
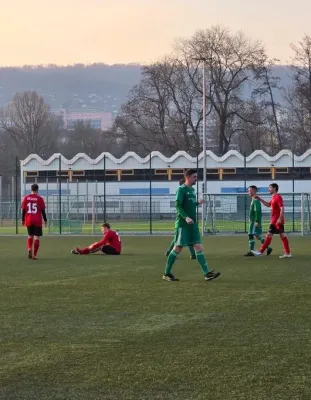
(84, 86)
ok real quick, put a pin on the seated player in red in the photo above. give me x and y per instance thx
(33, 210)
(110, 243)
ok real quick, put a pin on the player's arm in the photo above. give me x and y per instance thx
(43, 213)
(179, 203)
(281, 205)
(98, 245)
(264, 202)
(257, 212)
(24, 210)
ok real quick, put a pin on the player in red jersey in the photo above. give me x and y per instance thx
(110, 243)
(33, 210)
(277, 221)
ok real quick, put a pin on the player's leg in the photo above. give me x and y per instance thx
(180, 240)
(36, 243)
(170, 248)
(251, 239)
(109, 250)
(285, 243)
(267, 242)
(30, 241)
(196, 240)
(258, 236)
(192, 252)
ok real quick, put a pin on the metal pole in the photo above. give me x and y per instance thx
(245, 196)
(105, 217)
(293, 187)
(60, 192)
(204, 142)
(16, 196)
(150, 196)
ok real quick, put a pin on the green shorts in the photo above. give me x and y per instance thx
(254, 230)
(187, 236)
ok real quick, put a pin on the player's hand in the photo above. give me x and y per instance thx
(256, 224)
(46, 224)
(189, 221)
(279, 221)
(201, 201)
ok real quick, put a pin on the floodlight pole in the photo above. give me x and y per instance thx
(203, 60)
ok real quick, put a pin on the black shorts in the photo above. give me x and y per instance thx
(34, 230)
(110, 250)
(276, 229)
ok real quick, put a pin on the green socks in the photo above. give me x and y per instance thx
(251, 244)
(170, 248)
(202, 262)
(192, 251)
(170, 261)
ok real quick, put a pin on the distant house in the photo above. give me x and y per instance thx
(97, 118)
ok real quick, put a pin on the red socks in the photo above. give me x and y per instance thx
(36, 247)
(29, 243)
(266, 244)
(83, 251)
(285, 245)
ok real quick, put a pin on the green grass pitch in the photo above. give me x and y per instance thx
(100, 327)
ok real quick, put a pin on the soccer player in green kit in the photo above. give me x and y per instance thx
(191, 249)
(186, 228)
(255, 218)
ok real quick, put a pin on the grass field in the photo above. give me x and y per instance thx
(100, 327)
(140, 226)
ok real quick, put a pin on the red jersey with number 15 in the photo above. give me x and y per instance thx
(33, 205)
(276, 203)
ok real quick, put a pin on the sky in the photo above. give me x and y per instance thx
(137, 31)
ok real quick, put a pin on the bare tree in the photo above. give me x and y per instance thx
(297, 120)
(232, 61)
(164, 111)
(28, 121)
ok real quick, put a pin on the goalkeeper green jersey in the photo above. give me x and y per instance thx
(186, 206)
(255, 211)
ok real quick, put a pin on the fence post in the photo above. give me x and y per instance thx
(16, 196)
(203, 205)
(293, 187)
(245, 201)
(150, 194)
(60, 192)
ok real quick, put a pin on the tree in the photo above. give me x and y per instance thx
(28, 121)
(164, 110)
(231, 61)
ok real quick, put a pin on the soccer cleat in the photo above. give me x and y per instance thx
(35, 257)
(29, 253)
(286, 256)
(269, 251)
(211, 275)
(74, 252)
(193, 257)
(249, 254)
(169, 278)
(256, 253)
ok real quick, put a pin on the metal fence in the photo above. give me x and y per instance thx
(150, 214)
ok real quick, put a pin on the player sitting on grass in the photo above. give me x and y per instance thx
(186, 228)
(255, 217)
(277, 221)
(110, 243)
(191, 249)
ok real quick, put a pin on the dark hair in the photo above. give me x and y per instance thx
(253, 187)
(34, 187)
(275, 186)
(182, 181)
(106, 225)
(189, 172)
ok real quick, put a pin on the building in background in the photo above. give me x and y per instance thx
(97, 118)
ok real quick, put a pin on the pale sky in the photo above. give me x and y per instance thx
(122, 31)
